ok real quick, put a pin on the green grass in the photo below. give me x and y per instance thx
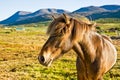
(109, 25)
(104, 28)
(18, 58)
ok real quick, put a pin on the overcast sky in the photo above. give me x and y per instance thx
(9, 7)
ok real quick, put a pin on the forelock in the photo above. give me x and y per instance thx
(55, 25)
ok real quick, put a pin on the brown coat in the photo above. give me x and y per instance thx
(95, 53)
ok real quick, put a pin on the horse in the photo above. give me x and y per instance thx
(96, 54)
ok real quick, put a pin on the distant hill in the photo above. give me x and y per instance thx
(105, 11)
(111, 7)
(50, 11)
(20, 15)
(89, 10)
(94, 12)
(23, 17)
(115, 14)
(38, 18)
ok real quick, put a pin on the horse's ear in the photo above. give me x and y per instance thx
(93, 26)
(67, 20)
(54, 18)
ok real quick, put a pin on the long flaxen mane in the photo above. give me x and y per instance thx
(60, 26)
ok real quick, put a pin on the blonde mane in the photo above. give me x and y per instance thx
(77, 27)
(59, 26)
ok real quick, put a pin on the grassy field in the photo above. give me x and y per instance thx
(18, 58)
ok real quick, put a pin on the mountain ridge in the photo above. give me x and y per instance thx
(96, 12)
(111, 7)
(24, 15)
(90, 9)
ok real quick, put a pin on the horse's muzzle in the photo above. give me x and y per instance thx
(45, 62)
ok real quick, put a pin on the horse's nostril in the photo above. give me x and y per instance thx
(42, 59)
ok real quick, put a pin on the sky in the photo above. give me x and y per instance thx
(9, 7)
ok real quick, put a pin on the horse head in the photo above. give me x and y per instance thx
(59, 40)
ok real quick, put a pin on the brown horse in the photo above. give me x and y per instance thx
(95, 53)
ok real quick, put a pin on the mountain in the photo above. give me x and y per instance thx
(87, 11)
(38, 18)
(50, 11)
(22, 17)
(15, 17)
(114, 14)
(94, 12)
(91, 9)
(111, 7)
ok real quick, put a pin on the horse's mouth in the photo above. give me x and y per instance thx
(48, 62)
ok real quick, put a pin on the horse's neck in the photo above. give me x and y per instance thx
(86, 48)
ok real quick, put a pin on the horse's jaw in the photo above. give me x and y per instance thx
(46, 63)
